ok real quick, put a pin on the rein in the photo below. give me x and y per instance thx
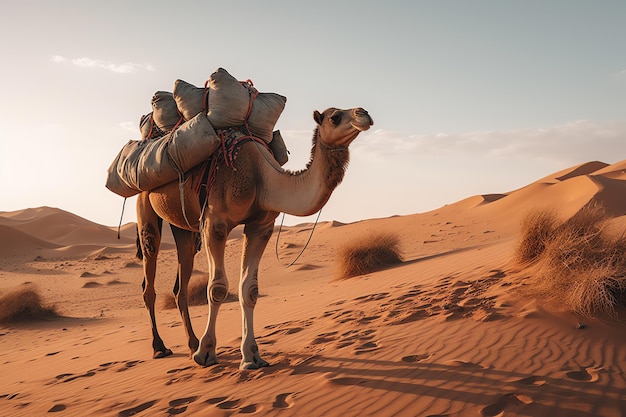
(280, 228)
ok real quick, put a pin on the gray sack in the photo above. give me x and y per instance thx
(145, 165)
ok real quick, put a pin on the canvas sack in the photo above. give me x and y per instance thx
(278, 148)
(145, 165)
(115, 173)
(164, 111)
(193, 143)
(228, 102)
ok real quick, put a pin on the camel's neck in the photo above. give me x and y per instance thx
(306, 192)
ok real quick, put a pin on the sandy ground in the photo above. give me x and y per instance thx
(446, 333)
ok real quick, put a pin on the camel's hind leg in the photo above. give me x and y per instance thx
(186, 250)
(256, 237)
(149, 230)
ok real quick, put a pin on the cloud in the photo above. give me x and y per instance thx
(125, 68)
(573, 142)
(129, 126)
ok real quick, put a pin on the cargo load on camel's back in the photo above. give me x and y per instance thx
(183, 129)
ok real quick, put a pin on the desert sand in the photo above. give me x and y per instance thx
(448, 332)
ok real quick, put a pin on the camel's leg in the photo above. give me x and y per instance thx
(214, 234)
(149, 229)
(256, 237)
(186, 250)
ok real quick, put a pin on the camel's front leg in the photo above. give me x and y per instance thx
(214, 239)
(255, 240)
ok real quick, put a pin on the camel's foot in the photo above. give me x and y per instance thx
(256, 363)
(205, 358)
(158, 354)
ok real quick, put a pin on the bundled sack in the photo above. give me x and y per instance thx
(145, 165)
(164, 111)
(227, 103)
(278, 148)
(148, 128)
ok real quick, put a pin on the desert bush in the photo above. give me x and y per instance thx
(577, 263)
(536, 229)
(371, 254)
(24, 304)
(196, 295)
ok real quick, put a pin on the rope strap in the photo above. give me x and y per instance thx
(280, 228)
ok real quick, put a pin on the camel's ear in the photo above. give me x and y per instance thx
(317, 116)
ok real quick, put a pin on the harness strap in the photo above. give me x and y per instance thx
(280, 228)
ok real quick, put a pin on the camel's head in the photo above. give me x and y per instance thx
(338, 128)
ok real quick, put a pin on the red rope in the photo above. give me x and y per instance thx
(253, 95)
(180, 121)
(223, 136)
(151, 128)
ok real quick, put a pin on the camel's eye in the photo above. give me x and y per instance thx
(335, 118)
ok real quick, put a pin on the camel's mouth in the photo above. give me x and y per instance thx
(361, 128)
(362, 121)
(362, 125)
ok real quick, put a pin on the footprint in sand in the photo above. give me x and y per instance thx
(215, 400)
(463, 364)
(249, 409)
(590, 374)
(372, 297)
(136, 410)
(128, 365)
(228, 405)
(72, 377)
(507, 400)
(173, 371)
(366, 347)
(57, 407)
(415, 358)
(531, 380)
(283, 401)
(323, 338)
(179, 405)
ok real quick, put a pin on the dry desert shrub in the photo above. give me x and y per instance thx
(24, 304)
(363, 256)
(579, 263)
(196, 295)
(537, 227)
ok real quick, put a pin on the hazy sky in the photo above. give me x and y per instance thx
(468, 97)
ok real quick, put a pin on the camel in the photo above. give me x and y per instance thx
(248, 187)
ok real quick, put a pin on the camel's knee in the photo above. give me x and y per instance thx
(218, 293)
(219, 231)
(250, 296)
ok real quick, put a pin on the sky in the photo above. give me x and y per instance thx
(468, 97)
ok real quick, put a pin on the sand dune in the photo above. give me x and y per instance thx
(58, 233)
(446, 333)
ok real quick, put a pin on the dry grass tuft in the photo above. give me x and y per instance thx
(536, 229)
(578, 263)
(24, 304)
(371, 254)
(196, 295)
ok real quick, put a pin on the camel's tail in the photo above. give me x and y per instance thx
(139, 253)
